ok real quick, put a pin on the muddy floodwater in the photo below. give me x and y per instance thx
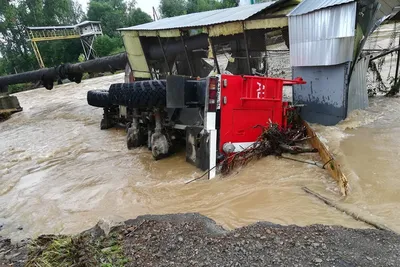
(59, 173)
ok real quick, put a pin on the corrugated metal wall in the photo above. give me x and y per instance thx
(358, 96)
(324, 37)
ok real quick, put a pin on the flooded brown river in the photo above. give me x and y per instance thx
(60, 173)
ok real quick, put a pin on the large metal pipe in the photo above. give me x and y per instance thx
(71, 71)
(111, 63)
(103, 64)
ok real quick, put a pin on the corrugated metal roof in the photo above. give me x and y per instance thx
(206, 18)
(308, 6)
(387, 8)
(62, 27)
(86, 22)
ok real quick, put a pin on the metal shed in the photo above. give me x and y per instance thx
(154, 47)
(326, 39)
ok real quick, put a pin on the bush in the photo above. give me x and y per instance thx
(15, 88)
(106, 45)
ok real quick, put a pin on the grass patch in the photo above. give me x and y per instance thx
(81, 250)
(15, 88)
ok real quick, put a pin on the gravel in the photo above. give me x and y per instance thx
(194, 240)
(197, 241)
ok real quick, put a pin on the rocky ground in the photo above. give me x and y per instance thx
(195, 240)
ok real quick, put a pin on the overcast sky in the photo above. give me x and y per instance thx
(145, 5)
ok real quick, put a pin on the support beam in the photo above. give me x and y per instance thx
(214, 55)
(187, 55)
(386, 53)
(397, 65)
(37, 54)
(246, 45)
(163, 52)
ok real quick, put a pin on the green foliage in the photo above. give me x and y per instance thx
(118, 50)
(81, 250)
(14, 46)
(3, 66)
(58, 52)
(115, 14)
(81, 58)
(136, 16)
(194, 6)
(172, 8)
(62, 251)
(105, 45)
(111, 14)
(15, 88)
(229, 3)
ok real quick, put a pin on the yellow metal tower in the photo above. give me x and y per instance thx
(86, 31)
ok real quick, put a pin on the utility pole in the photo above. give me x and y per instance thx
(155, 15)
(397, 65)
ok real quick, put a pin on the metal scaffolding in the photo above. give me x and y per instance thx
(87, 31)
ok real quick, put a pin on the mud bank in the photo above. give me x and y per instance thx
(195, 240)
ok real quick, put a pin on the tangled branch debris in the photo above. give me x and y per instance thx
(394, 90)
(381, 85)
(272, 141)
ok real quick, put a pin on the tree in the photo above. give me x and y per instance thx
(111, 14)
(105, 45)
(194, 6)
(229, 3)
(172, 8)
(136, 16)
(16, 15)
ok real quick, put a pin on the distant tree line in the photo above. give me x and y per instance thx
(16, 54)
(172, 8)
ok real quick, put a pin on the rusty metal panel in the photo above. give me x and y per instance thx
(358, 96)
(207, 18)
(323, 37)
(308, 6)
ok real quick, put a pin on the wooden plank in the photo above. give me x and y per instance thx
(329, 160)
(348, 212)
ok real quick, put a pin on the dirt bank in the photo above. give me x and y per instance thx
(195, 240)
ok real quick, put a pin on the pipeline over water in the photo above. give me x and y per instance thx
(73, 72)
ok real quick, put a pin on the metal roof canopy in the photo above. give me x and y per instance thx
(387, 7)
(207, 18)
(86, 22)
(199, 30)
(308, 6)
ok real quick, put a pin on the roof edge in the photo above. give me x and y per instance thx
(314, 10)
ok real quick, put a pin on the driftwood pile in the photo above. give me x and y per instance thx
(273, 141)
